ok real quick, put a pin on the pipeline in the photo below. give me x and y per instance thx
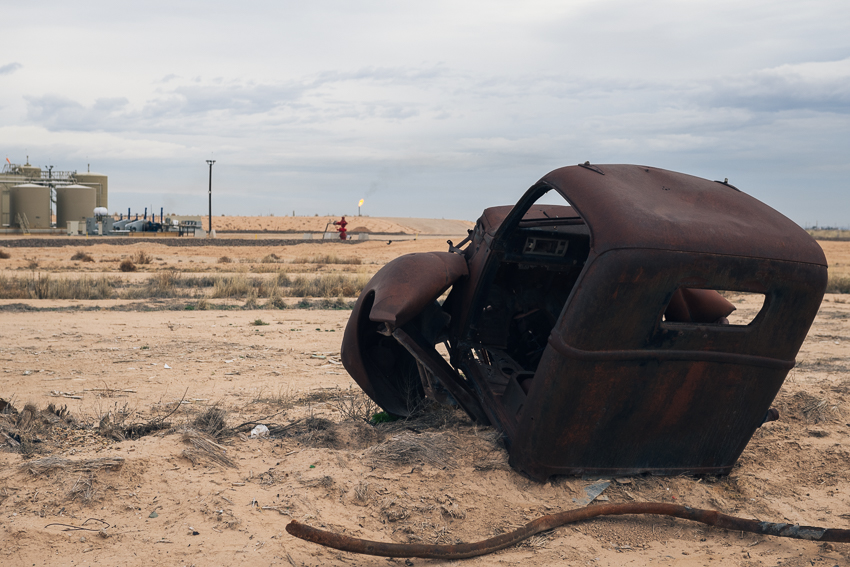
(552, 521)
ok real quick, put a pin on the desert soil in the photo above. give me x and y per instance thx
(167, 496)
(386, 225)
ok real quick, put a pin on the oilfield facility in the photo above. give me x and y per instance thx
(36, 200)
(46, 201)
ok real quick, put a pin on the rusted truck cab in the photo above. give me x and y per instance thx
(594, 333)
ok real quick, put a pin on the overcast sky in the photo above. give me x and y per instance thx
(430, 109)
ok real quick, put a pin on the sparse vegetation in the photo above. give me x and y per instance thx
(163, 284)
(231, 286)
(141, 257)
(82, 256)
(329, 289)
(225, 260)
(258, 322)
(838, 284)
(325, 259)
(328, 285)
(4, 255)
(213, 421)
(354, 405)
(43, 286)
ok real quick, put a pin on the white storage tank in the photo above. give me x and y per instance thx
(99, 182)
(74, 203)
(30, 200)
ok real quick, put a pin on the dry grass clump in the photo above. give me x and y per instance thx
(325, 259)
(163, 284)
(237, 285)
(142, 257)
(225, 260)
(838, 284)
(328, 285)
(39, 467)
(204, 450)
(355, 405)
(4, 255)
(42, 286)
(270, 259)
(213, 422)
(127, 265)
(25, 431)
(815, 409)
(82, 256)
(408, 447)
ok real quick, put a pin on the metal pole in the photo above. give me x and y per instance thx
(211, 162)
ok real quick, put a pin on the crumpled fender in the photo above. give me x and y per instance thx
(395, 295)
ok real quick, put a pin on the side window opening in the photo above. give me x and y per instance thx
(713, 307)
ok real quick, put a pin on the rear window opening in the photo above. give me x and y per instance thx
(713, 307)
(747, 306)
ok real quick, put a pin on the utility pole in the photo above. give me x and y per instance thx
(211, 162)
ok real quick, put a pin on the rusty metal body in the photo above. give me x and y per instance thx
(556, 329)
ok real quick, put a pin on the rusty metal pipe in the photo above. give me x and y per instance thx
(552, 521)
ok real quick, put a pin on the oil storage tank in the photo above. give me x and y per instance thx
(99, 182)
(31, 171)
(33, 201)
(74, 203)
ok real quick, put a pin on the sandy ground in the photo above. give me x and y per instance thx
(160, 500)
(395, 225)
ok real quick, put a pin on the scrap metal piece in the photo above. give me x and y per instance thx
(591, 491)
(398, 293)
(552, 521)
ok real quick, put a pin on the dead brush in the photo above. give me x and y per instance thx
(362, 494)
(141, 257)
(325, 259)
(328, 286)
(407, 448)
(283, 398)
(204, 450)
(28, 421)
(354, 405)
(276, 302)
(127, 265)
(212, 421)
(163, 284)
(815, 409)
(227, 287)
(85, 287)
(838, 284)
(4, 255)
(82, 256)
(225, 260)
(83, 489)
(38, 467)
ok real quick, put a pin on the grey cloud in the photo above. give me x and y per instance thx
(238, 99)
(60, 113)
(10, 68)
(782, 89)
(386, 75)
